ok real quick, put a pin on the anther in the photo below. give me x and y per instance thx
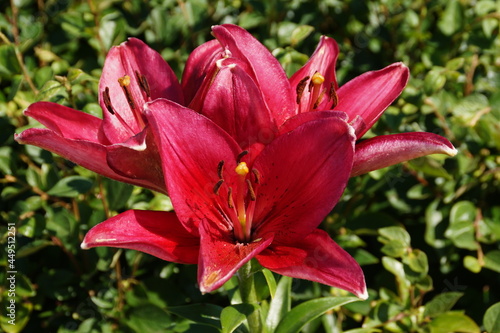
(242, 169)
(300, 88)
(230, 201)
(256, 173)
(241, 155)
(220, 169)
(125, 83)
(250, 190)
(318, 100)
(143, 83)
(217, 186)
(107, 100)
(317, 79)
(332, 95)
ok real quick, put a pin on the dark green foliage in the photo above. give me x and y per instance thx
(427, 232)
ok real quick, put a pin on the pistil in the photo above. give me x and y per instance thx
(242, 171)
(124, 82)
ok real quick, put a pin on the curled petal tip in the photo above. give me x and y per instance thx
(84, 246)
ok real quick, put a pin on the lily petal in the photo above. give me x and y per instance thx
(154, 232)
(323, 61)
(131, 58)
(235, 103)
(220, 257)
(385, 150)
(302, 118)
(266, 70)
(317, 258)
(299, 189)
(66, 122)
(369, 94)
(199, 64)
(190, 158)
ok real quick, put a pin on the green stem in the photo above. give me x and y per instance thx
(249, 296)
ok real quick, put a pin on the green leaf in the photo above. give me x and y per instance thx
(71, 187)
(491, 319)
(280, 304)
(396, 233)
(307, 311)
(234, 315)
(453, 322)
(207, 314)
(452, 19)
(300, 33)
(441, 303)
(148, 318)
(415, 265)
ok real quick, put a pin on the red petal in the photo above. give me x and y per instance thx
(303, 174)
(323, 60)
(369, 94)
(235, 104)
(317, 258)
(198, 66)
(385, 150)
(303, 118)
(126, 59)
(157, 233)
(67, 122)
(190, 159)
(266, 70)
(221, 257)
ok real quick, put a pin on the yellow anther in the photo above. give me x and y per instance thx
(317, 79)
(124, 81)
(242, 169)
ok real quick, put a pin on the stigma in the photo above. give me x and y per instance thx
(241, 196)
(317, 89)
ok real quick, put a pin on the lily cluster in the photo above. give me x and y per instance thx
(253, 161)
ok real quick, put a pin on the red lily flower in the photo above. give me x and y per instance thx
(119, 146)
(314, 87)
(232, 205)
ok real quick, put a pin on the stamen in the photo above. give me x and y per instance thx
(220, 169)
(256, 173)
(332, 95)
(230, 201)
(217, 186)
(107, 100)
(241, 155)
(242, 169)
(250, 190)
(125, 83)
(300, 88)
(143, 83)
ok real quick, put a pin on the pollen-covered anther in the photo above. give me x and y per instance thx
(332, 95)
(242, 169)
(256, 174)
(251, 192)
(241, 155)
(217, 186)
(300, 88)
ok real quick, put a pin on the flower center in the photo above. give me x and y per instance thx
(241, 199)
(309, 99)
(125, 82)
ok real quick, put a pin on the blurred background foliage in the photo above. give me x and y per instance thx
(426, 232)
